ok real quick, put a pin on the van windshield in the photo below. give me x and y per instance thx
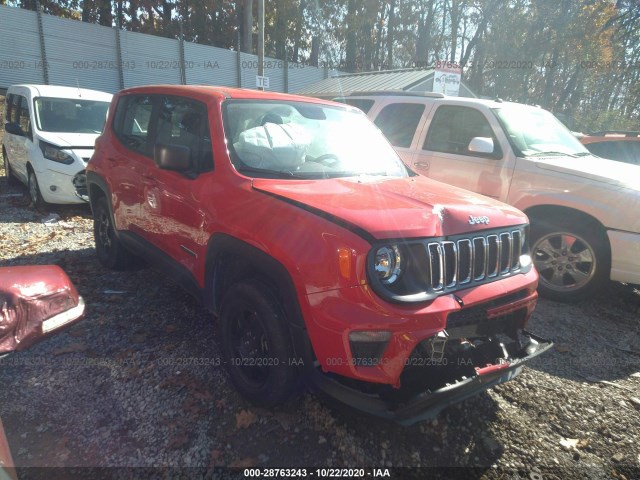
(304, 140)
(69, 115)
(536, 132)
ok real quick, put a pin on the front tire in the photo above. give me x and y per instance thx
(34, 191)
(256, 344)
(572, 258)
(111, 253)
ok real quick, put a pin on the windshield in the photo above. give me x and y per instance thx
(68, 115)
(534, 131)
(304, 140)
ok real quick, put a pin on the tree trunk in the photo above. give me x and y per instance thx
(247, 26)
(350, 51)
(424, 37)
(167, 24)
(105, 16)
(390, 33)
(315, 51)
(280, 34)
(455, 21)
(134, 23)
(87, 10)
(299, 24)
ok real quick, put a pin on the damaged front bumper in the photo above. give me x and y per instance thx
(35, 301)
(422, 405)
(80, 186)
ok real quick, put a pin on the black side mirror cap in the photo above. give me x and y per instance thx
(14, 129)
(172, 157)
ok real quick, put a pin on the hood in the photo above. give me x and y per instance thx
(396, 208)
(76, 140)
(593, 168)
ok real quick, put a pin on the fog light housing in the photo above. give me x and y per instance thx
(368, 346)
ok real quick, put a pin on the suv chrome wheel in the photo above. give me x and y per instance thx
(571, 259)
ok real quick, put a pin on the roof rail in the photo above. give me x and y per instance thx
(399, 93)
(625, 133)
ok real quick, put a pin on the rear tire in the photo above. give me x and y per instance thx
(111, 253)
(11, 179)
(256, 344)
(571, 256)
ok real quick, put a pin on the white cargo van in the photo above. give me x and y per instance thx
(49, 136)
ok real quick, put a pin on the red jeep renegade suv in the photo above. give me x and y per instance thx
(323, 257)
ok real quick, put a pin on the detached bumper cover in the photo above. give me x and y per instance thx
(35, 301)
(428, 404)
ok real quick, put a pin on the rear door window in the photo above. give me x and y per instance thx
(453, 128)
(398, 122)
(9, 109)
(133, 122)
(24, 117)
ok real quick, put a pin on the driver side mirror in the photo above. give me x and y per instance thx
(14, 129)
(481, 145)
(172, 157)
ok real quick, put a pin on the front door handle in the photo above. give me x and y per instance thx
(424, 165)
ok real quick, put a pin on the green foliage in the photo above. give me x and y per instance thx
(579, 57)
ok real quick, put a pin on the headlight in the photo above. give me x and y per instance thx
(51, 152)
(388, 264)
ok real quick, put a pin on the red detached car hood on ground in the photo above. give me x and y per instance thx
(392, 208)
(34, 302)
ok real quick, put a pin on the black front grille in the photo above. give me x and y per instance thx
(477, 259)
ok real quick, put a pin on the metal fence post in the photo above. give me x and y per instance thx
(120, 59)
(183, 73)
(286, 74)
(43, 51)
(238, 65)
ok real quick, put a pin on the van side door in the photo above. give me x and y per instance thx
(18, 146)
(446, 153)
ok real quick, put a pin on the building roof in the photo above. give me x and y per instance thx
(410, 79)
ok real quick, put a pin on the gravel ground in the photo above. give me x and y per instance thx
(126, 386)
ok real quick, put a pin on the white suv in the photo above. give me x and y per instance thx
(584, 210)
(49, 136)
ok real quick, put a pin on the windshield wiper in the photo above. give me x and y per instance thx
(584, 154)
(551, 152)
(270, 172)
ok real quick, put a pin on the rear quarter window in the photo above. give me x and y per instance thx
(399, 121)
(363, 104)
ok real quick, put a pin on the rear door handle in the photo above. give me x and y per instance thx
(421, 164)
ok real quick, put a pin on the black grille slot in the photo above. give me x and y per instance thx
(450, 263)
(516, 251)
(436, 266)
(505, 252)
(493, 255)
(465, 261)
(479, 258)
